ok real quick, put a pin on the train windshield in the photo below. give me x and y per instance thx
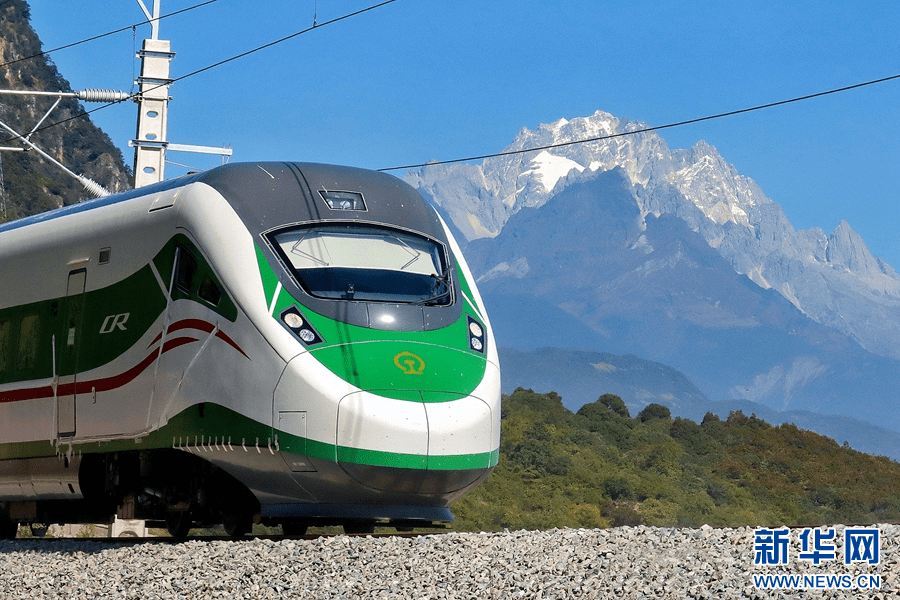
(366, 263)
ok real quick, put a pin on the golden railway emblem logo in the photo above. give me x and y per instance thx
(409, 363)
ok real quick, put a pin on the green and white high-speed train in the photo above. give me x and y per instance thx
(282, 343)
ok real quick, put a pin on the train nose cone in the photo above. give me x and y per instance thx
(395, 417)
(418, 411)
(448, 443)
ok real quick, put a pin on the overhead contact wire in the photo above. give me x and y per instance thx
(284, 39)
(469, 158)
(103, 35)
(220, 63)
(646, 129)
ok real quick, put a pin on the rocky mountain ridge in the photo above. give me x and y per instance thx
(623, 246)
(833, 279)
(588, 270)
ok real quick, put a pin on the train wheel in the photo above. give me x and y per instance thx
(359, 527)
(38, 530)
(236, 524)
(9, 527)
(178, 523)
(294, 529)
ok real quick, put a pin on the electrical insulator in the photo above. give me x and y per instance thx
(95, 95)
(92, 187)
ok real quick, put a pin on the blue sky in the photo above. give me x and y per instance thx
(418, 80)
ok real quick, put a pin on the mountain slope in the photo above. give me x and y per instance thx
(579, 377)
(653, 287)
(32, 184)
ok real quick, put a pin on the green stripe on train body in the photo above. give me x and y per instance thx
(212, 425)
(106, 342)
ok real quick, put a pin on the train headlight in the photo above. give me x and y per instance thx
(477, 338)
(300, 327)
(293, 320)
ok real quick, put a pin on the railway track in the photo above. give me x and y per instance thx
(164, 539)
(327, 533)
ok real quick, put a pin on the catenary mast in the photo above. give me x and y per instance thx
(151, 143)
(153, 104)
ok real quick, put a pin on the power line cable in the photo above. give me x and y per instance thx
(103, 35)
(284, 39)
(481, 156)
(646, 129)
(218, 64)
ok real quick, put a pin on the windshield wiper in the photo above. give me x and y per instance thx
(439, 281)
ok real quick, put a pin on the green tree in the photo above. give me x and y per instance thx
(563, 470)
(654, 411)
(615, 404)
(609, 418)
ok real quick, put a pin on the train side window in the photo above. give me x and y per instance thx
(29, 335)
(209, 291)
(185, 270)
(4, 345)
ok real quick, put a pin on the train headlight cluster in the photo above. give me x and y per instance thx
(477, 341)
(343, 200)
(300, 326)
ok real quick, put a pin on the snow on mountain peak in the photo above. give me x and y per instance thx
(549, 169)
(599, 124)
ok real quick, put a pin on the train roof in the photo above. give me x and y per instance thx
(94, 203)
(272, 194)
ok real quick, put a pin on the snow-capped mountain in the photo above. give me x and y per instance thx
(481, 198)
(590, 270)
(832, 279)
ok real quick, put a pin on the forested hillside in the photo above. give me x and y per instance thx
(602, 467)
(32, 184)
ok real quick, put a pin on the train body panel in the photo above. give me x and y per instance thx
(307, 338)
(55, 302)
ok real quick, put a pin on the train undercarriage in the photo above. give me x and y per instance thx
(166, 488)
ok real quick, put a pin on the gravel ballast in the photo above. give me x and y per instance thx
(624, 562)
